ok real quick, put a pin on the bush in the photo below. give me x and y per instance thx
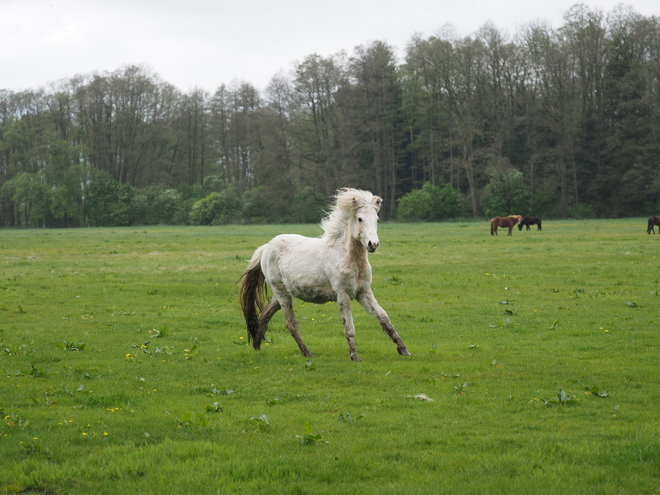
(506, 194)
(109, 203)
(158, 205)
(217, 208)
(431, 203)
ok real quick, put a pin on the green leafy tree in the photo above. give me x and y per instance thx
(506, 194)
(432, 203)
(109, 203)
(30, 196)
(159, 205)
(217, 208)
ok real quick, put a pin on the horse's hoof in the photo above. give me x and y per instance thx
(354, 357)
(403, 351)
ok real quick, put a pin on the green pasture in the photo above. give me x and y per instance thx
(535, 367)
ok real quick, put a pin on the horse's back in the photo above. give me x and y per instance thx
(299, 266)
(292, 248)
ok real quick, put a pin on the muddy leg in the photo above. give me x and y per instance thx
(292, 325)
(344, 303)
(271, 308)
(369, 302)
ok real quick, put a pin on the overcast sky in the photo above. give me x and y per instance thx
(206, 43)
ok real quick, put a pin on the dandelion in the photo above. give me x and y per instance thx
(84, 434)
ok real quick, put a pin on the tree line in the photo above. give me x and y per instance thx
(552, 123)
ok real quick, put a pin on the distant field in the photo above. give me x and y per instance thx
(124, 365)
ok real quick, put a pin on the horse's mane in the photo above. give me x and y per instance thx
(347, 202)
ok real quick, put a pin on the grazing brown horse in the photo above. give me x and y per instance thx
(527, 221)
(653, 221)
(509, 221)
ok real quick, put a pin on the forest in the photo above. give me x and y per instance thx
(556, 123)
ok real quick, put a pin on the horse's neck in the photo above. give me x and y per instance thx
(352, 251)
(357, 254)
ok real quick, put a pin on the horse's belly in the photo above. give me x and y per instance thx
(312, 293)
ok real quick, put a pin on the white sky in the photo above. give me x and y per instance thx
(206, 43)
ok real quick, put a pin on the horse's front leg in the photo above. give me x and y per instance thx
(368, 301)
(344, 303)
(291, 323)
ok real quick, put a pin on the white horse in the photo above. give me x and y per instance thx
(333, 267)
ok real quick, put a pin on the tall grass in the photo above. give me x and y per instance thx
(125, 366)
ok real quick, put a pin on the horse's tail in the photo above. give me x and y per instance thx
(492, 227)
(253, 294)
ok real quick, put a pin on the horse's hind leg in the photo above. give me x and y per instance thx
(368, 301)
(271, 308)
(292, 325)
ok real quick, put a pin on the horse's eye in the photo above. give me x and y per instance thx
(359, 219)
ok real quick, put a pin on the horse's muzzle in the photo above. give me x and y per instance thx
(372, 246)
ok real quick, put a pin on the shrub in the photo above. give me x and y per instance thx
(158, 205)
(109, 203)
(218, 208)
(506, 194)
(431, 203)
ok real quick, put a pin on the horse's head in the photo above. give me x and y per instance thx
(355, 213)
(365, 222)
(365, 228)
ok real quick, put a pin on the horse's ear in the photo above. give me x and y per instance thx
(377, 200)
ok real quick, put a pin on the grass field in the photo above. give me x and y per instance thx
(124, 366)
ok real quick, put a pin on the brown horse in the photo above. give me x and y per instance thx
(527, 221)
(509, 221)
(653, 221)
